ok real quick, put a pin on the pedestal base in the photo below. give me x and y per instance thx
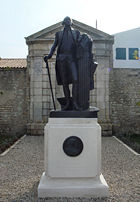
(72, 187)
(72, 156)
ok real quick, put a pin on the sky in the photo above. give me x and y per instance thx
(21, 18)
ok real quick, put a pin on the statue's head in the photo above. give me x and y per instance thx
(67, 21)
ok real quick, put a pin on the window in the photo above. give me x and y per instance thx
(133, 54)
(121, 53)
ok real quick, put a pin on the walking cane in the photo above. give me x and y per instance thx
(47, 66)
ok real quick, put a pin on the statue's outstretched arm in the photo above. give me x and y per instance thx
(52, 48)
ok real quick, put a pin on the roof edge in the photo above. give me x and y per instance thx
(75, 23)
(126, 31)
(92, 28)
(48, 29)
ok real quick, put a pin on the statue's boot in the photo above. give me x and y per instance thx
(76, 107)
(66, 107)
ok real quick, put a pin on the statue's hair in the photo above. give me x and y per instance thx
(67, 18)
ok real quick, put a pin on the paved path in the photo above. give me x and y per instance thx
(22, 167)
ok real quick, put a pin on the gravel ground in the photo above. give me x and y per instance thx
(22, 167)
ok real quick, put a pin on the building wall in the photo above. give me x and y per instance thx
(13, 101)
(127, 39)
(125, 100)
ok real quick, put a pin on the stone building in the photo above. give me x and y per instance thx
(25, 97)
(39, 45)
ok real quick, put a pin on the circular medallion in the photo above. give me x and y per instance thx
(73, 146)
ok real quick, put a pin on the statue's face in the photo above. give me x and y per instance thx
(67, 21)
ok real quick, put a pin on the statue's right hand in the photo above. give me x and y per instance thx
(46, 58)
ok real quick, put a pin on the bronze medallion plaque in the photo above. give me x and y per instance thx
(73, 146)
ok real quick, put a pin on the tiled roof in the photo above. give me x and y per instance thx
(13, 63)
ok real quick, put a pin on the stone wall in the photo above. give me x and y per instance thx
(125, 100)
(13, 101)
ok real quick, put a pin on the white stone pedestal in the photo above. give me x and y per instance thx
(68, 176)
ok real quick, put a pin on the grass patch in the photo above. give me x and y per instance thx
(132, 140)
(6, 141)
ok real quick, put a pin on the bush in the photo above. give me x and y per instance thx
(132, 140)
(6, 141)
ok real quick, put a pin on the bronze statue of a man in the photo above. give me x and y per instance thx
(66, 67)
